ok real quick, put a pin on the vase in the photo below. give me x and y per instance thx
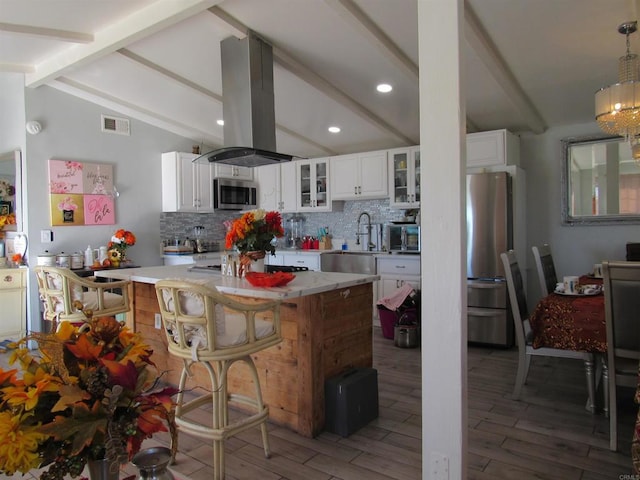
(252, 262)
(152, 464)
(103, 469)
(115, 263)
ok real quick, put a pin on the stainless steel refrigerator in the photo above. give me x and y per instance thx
(489, 233)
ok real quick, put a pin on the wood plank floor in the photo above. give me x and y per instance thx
(547, 435)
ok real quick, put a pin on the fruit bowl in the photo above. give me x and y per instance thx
(275, 279)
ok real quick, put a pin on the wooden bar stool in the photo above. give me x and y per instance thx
(204, 326)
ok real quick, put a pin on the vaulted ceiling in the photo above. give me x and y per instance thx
(529, 65)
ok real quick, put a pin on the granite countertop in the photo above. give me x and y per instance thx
(305, 283)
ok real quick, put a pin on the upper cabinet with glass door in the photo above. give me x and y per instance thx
(404, 177)
(313, 186)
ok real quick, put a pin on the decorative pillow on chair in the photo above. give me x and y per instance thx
(55, 282)
(192, 304)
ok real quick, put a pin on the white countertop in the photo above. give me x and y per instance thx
(305, 283)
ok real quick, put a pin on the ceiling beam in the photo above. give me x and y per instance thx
(50, 33)
(208, 93)
(16, 68)
(99, 97)
(311, 77)
(497, 67)
(169, 74)
(136, 26)
(354, 15)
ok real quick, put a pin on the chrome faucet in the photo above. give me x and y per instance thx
(370, 244)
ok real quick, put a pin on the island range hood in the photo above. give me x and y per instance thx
(247, 104)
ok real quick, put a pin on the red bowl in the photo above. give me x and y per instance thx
(275, 279)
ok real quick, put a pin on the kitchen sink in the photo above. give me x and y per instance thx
(348, 262)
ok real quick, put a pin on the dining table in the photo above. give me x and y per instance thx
(571, 322)
(574, 322)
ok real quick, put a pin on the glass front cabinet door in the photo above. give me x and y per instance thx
(404, 177)
(313, 192)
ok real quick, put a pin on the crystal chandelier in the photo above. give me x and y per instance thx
(618, 105)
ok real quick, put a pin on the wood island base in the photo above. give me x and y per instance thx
(323, 335)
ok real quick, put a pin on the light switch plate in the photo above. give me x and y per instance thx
(46, 236)
(158, 321)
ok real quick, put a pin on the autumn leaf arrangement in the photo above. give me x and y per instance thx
(89, 392)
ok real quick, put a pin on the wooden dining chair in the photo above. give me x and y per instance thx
(546, 269)
(622, 313)
(524, 334)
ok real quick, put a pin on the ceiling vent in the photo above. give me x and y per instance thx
(115, 125)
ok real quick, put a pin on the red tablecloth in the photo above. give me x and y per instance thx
(570, 322)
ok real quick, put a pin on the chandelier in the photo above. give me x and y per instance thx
(618, 105)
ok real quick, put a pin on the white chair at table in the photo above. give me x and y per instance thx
(60, 287)
(622, 313)
(524, 334)
(546, 269)
(205, 326)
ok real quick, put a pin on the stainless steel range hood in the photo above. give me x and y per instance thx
(248, 105)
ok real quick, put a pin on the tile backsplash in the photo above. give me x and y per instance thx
(342, 224)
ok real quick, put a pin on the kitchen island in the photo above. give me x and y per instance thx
(326, 329)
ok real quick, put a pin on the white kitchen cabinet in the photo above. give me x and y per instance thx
(274, 187)
(209, 258)
(404, 177)
(395, 271)
(308, 259)
(13, 298)
(222, 170)
(359, 176)
(186, 186)
(494, 148)
(312, 185)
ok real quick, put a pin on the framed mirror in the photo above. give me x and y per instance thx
(600, 181)
(10, 194)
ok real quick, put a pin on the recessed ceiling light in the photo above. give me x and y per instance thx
(220, 122)
(384, 88)
(334, 129)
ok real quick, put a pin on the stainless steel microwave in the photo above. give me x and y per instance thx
(403, 238)
(231, 194)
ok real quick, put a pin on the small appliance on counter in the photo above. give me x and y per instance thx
(403, 237)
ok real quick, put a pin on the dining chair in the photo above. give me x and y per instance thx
(622, 312)
(524, 333)
(203, 326)
(60, 289)
(546, 269)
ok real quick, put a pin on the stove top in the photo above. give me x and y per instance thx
(268, 268)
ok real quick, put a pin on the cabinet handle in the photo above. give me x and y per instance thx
(8, 279)
(355, 190)
(360, 190)
(401, 266)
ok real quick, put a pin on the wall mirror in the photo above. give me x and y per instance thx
(600, 181)
(10, 192)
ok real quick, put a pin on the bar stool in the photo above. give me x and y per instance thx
(204, 326)
(60, 289)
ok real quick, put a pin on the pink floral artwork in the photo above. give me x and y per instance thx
(99, 210)
(67, 209)
(81, 193)
(65, 176)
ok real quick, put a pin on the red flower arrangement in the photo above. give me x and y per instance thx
(255, 231)
(90, 394)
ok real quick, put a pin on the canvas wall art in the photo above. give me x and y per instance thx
(81, 193)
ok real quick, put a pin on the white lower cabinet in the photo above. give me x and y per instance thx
(13, 298)
(311, 260)
(210, 258)
(395, 271)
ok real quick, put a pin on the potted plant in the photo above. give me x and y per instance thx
(88, 393)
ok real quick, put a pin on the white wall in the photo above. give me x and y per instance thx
(575, 248)
(71, 131)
